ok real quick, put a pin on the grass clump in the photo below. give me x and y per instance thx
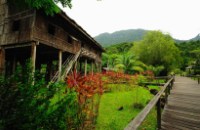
(109, 117)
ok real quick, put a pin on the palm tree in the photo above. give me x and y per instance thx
(129, 64)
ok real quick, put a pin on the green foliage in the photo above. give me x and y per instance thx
(119, 48)
(141, 79)
(130, 63)
(27, 103)
(158, 49)
(49, 6)
(155, 70)
(190, 52)
(118, 58)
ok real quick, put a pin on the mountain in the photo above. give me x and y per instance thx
(196, 38)
(107, 39)
(130, 35)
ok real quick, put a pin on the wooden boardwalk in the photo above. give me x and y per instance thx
(182, 111)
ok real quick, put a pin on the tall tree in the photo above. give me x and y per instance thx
(158, 49)
(49, 6)
(196, 66)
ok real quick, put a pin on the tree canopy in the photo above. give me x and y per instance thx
(189, 52)
(49, 6)
(158, 49)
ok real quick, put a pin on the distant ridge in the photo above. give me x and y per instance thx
(196, 38)
(130, 35)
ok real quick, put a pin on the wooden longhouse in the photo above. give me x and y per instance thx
(46, 40)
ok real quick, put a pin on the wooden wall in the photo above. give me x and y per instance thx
(59, 40)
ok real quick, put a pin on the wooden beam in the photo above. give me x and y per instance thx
(18, 45)
(2, 61)
(59, 64)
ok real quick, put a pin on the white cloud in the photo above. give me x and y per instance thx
(178, 17)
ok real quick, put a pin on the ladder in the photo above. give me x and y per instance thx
(67, 65)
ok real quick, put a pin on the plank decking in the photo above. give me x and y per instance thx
(182, 111)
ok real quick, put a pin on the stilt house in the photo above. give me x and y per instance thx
(55, 41)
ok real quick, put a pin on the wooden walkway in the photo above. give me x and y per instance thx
(183, 109)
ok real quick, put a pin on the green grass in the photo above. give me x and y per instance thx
(150, 122)
(110, 118)
(154, 87)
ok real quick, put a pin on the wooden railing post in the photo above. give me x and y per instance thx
(166, 94)
(158, 114)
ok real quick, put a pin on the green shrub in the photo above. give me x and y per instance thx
(138, 105)
(26, 103)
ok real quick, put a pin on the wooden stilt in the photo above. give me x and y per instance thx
(14, 64)
(100, 66)
(59, 64)
(75, 66)
(33, 56)
(92, 68)
(80, 65)
(2, 61)
(85, 67)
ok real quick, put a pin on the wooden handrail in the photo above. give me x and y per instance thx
(163, 77)
(137, 121)
(195, 76)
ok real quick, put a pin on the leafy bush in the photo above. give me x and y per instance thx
(140, 79)
(27, 103)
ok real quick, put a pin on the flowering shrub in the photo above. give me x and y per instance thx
(117, 77)
(149, 74)
(85, 86)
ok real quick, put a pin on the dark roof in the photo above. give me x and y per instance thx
(66, 17)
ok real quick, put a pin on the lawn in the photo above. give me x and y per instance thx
(121, 95)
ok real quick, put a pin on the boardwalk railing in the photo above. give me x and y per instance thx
(157, 79)
(156, 101)
(195, 76)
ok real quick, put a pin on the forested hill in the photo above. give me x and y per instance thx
(107, 39)
(131, 35)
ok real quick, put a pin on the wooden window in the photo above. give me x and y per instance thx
(51, 29)
(16, 25)
(69, 39)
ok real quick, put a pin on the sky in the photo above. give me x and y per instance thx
(179, 18)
